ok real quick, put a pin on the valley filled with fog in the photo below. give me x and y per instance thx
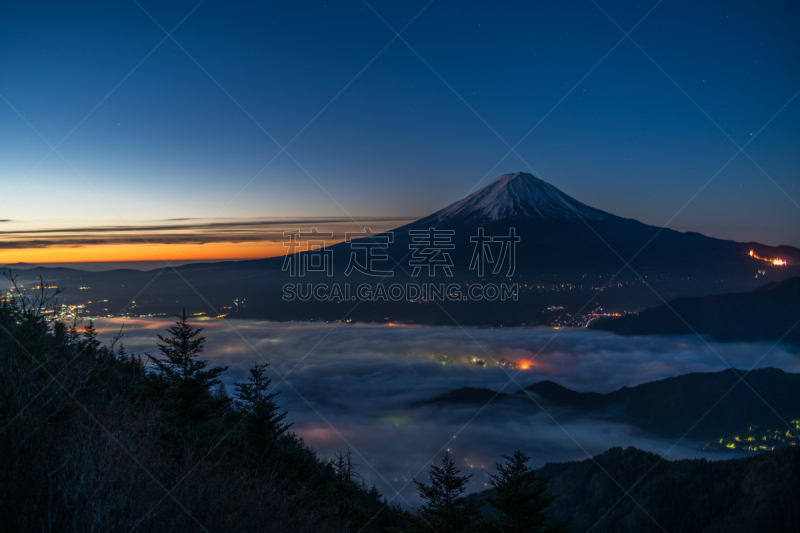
(366, 387)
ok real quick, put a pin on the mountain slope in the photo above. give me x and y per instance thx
(567, 250)
(769, 313)
(517, 195)
(670, 407)
(753, 494)
(562, 237)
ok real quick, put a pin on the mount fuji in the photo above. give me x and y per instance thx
(564, 238)
(517, 195)
(567, 251)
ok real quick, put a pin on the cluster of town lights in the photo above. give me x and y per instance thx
(776, 261)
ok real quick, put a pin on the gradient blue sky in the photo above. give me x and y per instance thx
(169, 143)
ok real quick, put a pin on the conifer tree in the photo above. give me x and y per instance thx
(347, 478)
(89, 342)
(264, 436)
(348, 485)
(446, 510)
(122, 353)
(189, 383)
(521, 498)
(131, 371)
(264, 422)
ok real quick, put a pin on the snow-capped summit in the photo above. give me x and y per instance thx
(518, 195)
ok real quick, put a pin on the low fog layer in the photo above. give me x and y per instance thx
(359, 386)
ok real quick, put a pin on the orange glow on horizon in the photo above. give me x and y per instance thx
(318, 435)
(143, 252)
(183, 240)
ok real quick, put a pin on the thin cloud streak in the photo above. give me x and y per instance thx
(226, 231)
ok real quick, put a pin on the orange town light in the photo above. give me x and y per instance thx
(777, 261)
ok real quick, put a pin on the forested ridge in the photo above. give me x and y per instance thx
(93, 438)
(754, 494)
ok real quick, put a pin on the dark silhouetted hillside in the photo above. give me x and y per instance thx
(769, 313)
(754, 494)
(670, 407)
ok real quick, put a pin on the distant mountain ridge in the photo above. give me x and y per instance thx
(21, 265)
(670, 407)
(769, 313)
(566, 252)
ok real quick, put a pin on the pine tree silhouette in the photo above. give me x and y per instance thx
(89, 340)
(446, 510)
(264, 422)
(521, 498)
(187, 380)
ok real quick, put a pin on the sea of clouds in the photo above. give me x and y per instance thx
(360, 387)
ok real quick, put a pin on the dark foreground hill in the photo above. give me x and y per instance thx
(97, 439)
(765, 404)
(769, 313)
(754, 494)
(93, 438)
